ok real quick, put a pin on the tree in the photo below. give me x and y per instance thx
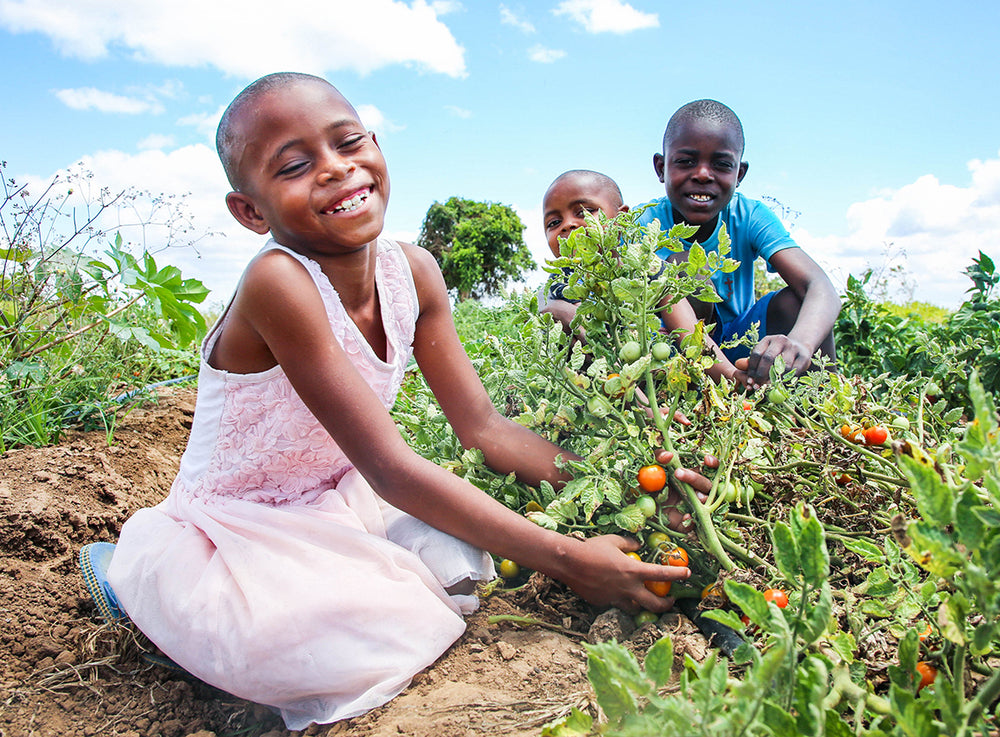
(478, 245)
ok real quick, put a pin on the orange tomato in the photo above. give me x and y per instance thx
(675, 557)
(652, 478)
(927, 674)
(634, 555)
(660, 588)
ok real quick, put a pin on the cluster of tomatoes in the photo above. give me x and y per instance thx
(867, 435)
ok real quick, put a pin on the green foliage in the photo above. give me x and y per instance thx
(76, 329)
(479, 245)
(872, 339)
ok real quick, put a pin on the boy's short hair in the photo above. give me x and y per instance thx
(602, 180)
(225, 136)
(702, 110)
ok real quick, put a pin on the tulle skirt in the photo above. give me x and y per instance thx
(322, 610)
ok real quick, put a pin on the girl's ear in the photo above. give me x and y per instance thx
(246, 212)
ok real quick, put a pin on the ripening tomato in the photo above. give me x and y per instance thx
(675, 557)
(634, 555)
(927, 674)
(714, 591)
(926, 633)
(875, 435)
(849, 432)
(509, 569)
(660, 588)
(747, 405)
(652, 478)
(646, 505)
(779, 597)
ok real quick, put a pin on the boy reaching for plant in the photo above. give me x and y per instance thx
(701, 165)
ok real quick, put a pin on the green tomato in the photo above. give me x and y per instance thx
(645, 617)
(900, 422)
(657, 540)
(598, 406)
(647, 505)
(730, 491)
(661, 351)
(630, 351)
(777, 395)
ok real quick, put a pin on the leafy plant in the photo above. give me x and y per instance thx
(73, 322)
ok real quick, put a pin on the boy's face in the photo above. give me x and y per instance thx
(566, 201)
(701, 169)
(309, 172)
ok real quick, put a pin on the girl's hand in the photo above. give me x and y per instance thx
(604, 575)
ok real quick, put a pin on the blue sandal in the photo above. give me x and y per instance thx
(94, 561)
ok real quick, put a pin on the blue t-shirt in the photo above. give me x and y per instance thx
(754, 231)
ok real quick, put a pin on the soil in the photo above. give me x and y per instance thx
(65, 673)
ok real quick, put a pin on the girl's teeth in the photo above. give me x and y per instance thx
(351, 204)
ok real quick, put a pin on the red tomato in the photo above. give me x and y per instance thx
(779, 597)
(747, 406)
(927, 674)
(652, 478)
(875, 435)
(714, 590)
(660, 588)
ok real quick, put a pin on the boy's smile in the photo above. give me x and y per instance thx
(701, 169)
(309, 172)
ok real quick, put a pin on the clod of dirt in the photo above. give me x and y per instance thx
(614, 624)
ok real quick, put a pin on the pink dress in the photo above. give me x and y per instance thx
(272, 570)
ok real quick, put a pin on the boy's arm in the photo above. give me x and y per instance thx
(819, 310)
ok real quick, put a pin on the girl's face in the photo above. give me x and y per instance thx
(567, 200)
(315, 178)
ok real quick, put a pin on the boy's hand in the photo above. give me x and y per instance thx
(604, 575)
(676, 518)
(758, 365)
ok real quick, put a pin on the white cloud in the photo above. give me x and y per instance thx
(613, 16)
(510, 18)
(204, 123)
(938, 227)
(90, 98)
(155, 140)
(458, 112)
(375, 120)
(545, 56)
(316, 35)
(203, 241)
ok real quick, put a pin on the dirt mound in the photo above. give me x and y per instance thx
(66, 674)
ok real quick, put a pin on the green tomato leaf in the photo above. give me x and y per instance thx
(659, 661)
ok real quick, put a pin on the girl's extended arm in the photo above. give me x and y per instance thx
(278, 301)
(679, 321)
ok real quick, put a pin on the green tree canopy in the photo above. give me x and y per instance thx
(479, 245)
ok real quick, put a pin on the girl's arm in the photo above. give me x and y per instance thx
(679, 321)
(278, 302)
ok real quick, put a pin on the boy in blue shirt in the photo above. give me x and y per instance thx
(701, 166)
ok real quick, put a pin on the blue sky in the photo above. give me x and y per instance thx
(875, 125)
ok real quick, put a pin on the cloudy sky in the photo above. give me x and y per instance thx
(873, 127)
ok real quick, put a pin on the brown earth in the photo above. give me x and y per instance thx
(64, 673)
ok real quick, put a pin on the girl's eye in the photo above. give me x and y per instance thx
(293, 168)
(552, 224)
(352, 141)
